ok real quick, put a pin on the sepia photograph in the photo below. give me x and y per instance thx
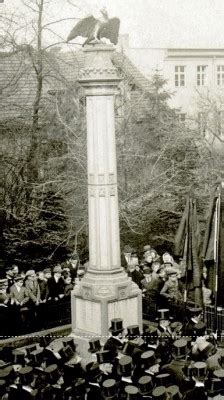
(111, 200)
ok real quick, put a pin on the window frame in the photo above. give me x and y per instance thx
(201, 75)
(180, 75)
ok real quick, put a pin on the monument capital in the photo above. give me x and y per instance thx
(99, 70)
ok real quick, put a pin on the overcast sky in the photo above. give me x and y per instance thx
(150, 23)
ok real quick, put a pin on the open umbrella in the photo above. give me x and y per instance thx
(187, 246)
(213, 247)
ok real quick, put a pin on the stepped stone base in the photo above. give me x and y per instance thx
(100, 297)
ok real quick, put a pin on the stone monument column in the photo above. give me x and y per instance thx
(105, 292)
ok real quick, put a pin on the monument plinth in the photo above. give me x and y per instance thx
(106, 291)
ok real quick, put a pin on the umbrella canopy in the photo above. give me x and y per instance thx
(187, 246)
(213, 246)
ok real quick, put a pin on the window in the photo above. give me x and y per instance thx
(182, 117)
(179, 75)
(202, 123)
(201, 75)
(220, 75)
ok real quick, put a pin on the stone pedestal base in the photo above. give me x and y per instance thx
(98, 298)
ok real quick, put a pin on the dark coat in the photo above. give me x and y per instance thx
(174, 368)
(43, 289)
(55, 288)
(198, 393)
(20, 296)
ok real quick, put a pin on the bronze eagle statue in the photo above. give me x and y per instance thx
(95, 29)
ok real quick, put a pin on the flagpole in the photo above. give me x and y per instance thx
(187, 260)
(216, 255)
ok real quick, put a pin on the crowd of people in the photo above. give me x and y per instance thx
(25, 297)
(162, 280)
(165, 361)
(33, 298)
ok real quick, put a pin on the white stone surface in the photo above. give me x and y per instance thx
(88, 315)
(125, 309)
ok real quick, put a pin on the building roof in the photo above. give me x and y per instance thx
(18, 79)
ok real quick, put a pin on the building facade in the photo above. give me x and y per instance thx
(195, 77)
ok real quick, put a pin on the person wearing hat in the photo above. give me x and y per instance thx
(32, 286)
(54, 383)
(116, 340)
(171, 290)
(94, 378)
(188, 383)
(134, 271)
(55, 284)
(194, 316)
(164, 321)
(18, 294)
(110, 390)
(199, 374)
(164, 348)
(42, 282)
(125, 370)
(159, 393)
(10, 278)
(175, 367)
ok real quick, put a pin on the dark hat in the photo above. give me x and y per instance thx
(219, 373)
(194, 310)
(26, 375)
(37, 356)
(52, 373)
(18, 278)
(47, 271)
(79, 387)
(125, 366)
(133, 331)
(180, 348)
(44, 341)
(164, 314)
(200, 369)
(200, 328)
(136, 356)
(72, 371)
(145, 384)
(159, 393)
(174, 392)
(151, 335)
(109, 389)
(128, 348)
(4, 374)
(163, 380)
(221, 358)
(131, 392)
(93, 371)
(50, 357)
(147, 359)
(188, 370)
(104, 356)
(69, 341)
(66, 353)
(213, 386)
(30, 348)
(3, 385)
(18, 356)
(94, 345)
(116, 325)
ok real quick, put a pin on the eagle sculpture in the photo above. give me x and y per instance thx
(96, 29)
